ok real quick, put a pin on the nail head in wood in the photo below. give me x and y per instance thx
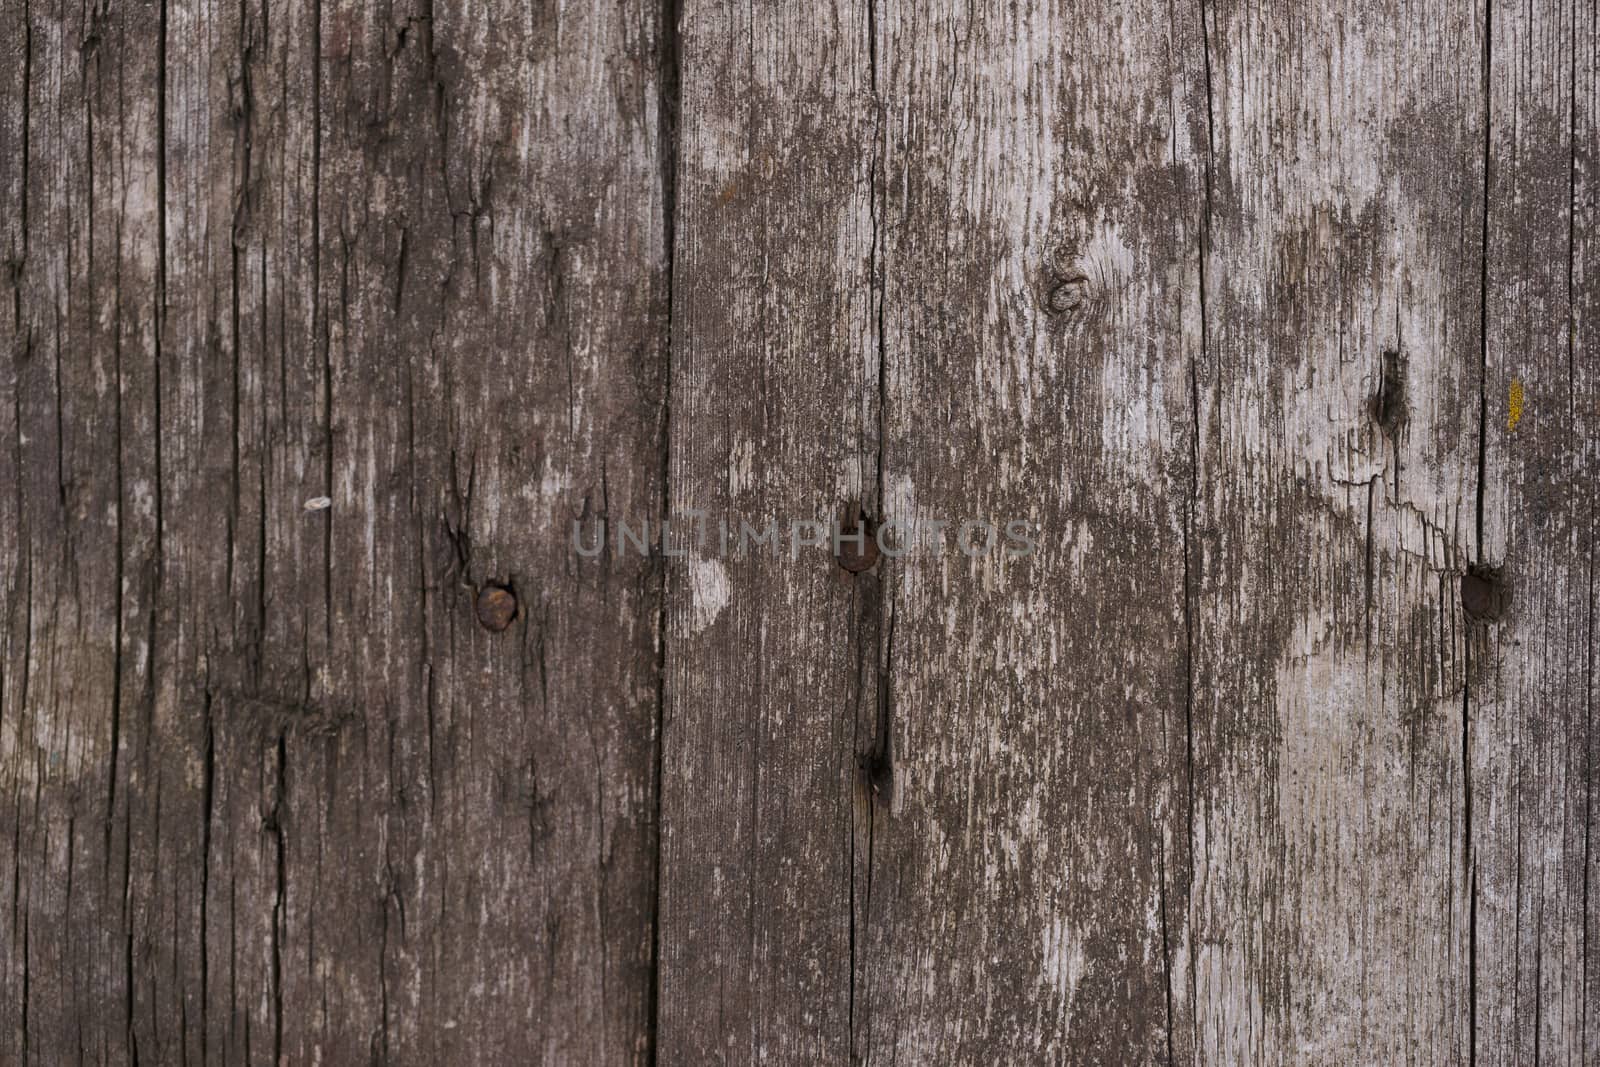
(497, 606)
(855, 555)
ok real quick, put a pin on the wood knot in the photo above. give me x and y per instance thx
(497, 607)
(1062, 282)
(1485, 592)
(1066, 291)
(1068, 294)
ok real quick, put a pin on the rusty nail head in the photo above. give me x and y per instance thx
(497, 606)
(854, 557)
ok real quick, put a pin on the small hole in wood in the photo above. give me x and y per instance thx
(1389, 401)
(1485, 593)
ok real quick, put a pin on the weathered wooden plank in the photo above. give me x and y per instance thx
(15, 91)
(272, 793)
(1273, 324)
(541, 402)
(87, 222)
(1533, 685)
(1041, 197)
(1337, 468)
(770, 656)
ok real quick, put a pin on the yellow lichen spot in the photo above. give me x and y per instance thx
(1516, 404)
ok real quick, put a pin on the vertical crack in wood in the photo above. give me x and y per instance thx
(883, 769)
(27, 976)
(241, 219)
(1588, 791)
(119, 568)
(1538, 975)
(877, 775)
(1468, 857)
(60, 435)
(161, 293)
(1166, 944)
(1468, 866)
(152, 643)
(1189, 576)
(208, 806)
(668, 102)
(1572, 208)
(152, 664)
(27, 565)
(1483, 274)
(279, 919)
(1366, 624)
(1589, 647)
(1188, 697)
(127, 982)
(258, 644)
(389, 896)
(27, 157)
(320, 328)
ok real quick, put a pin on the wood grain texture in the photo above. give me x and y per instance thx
(1040, 245)
(1533, 682)
(1273, 324)
(771, 657)
(1337, 472)
(271, 792)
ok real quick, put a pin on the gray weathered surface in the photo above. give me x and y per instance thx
(1337, 402)
(1533, 677)
(1274, 322)
(769, 666)
(1029, 879)
(270, 792)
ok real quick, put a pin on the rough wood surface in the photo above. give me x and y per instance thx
(1337, 404)
(1041, 206)
(271, 793)
(324, 738)
(1533, 689)
(771, 660)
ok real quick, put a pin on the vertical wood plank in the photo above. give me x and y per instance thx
(1337, 406)
(541, 402)
(774, 382)
(272, 793)
(1026, 883)
(1533, 683)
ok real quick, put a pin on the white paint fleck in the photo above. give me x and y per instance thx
(709, 592)
(741, 466)
(554, 482)
(1064, 960)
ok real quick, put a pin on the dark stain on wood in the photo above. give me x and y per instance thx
(1485, 593)
(1389, 401)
